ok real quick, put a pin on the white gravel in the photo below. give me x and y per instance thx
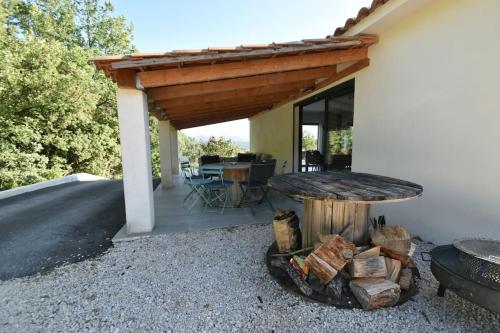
(207, 281)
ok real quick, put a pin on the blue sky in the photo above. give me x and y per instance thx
(187, 24)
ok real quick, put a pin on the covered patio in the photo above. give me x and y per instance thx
(189, 88)
(172, 213)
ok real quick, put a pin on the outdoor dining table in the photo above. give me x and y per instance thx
(339, 202)
(235, 171)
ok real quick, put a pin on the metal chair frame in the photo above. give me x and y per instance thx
(260, 172)
(197, 186)
(217, 188)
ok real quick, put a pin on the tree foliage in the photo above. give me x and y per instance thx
(193, 149)
(57, 112)
(309, 142)
(189, 147)
(340, 141)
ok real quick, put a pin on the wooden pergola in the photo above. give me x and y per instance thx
(191, 88)
(198, 87)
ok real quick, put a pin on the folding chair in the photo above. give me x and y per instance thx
(260, 172)
(217, 187)
(188, 175)
(314, 159)
(197, 185)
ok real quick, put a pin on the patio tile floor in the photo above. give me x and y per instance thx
(172, 214)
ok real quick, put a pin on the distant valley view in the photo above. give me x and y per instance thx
(240, 142)
(195, 146)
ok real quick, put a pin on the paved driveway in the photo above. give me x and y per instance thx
(65, 223)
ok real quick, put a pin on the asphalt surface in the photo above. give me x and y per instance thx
(66, 223)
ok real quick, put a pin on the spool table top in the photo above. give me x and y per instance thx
(345, 186)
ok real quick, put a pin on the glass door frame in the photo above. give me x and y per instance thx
(337, 91)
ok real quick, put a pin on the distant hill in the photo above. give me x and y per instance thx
(241, 142)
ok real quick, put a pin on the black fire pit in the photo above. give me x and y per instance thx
(465, 280)
(347, 301)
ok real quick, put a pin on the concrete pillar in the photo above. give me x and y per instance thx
(174, 150)
(165, 153)
(136, 160)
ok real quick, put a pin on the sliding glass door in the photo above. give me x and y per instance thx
(325, 130)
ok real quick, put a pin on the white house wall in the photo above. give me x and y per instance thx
(425, 110)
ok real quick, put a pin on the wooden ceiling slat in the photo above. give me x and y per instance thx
(224, 113)
(212, 112)
(166, 77)
(202, 88)
(202, 122)
(238, 94)
(273, 98)
(340, 75)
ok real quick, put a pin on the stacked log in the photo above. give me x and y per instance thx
(330, 258)
(374, 293)
(395, 239)
(374, 274)
(286, 231)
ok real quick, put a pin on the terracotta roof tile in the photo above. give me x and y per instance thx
(362, 13)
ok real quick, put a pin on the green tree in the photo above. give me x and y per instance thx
(194, 149)
(189, 147)
(309, 142)
(57, 112)
(220, 146)
(340, 141)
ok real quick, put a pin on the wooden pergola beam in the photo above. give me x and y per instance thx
(205, 88)
(215, 113)
(340, 75)
(239, 94)
(201, 122)
(272, 98)
(168, 77)
(239, 115)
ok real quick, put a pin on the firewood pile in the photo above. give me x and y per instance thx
(375, 275)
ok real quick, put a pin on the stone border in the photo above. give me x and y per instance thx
(77, 177)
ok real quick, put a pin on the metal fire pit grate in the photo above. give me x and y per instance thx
(481, 260)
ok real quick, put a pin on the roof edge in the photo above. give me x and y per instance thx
(362, 13)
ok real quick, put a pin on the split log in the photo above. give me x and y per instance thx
(286, 231)
(321, 268)
(405, 260)
(374, 293)
(330, 257)
(394, 238)
(393, 269)
(294, 275)
(405, 279)
(368, 267)
(373, 252)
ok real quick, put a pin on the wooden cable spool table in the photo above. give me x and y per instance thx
(235, 171)
(339, 202)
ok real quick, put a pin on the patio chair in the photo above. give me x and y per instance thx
(246, 157)
(197, 186)
(217, 187)
(209, 159)
(314, 159)
(184, 162)
(260, 172)
(188, 175)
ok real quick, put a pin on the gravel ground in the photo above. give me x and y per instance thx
(207, 281)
